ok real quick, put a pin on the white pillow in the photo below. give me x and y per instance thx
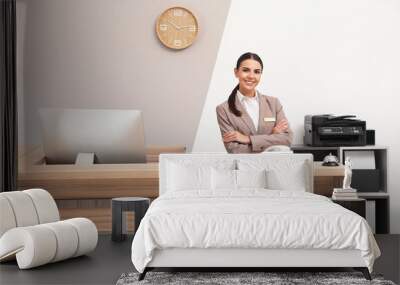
(193, 175)
(223, 179)
(226, 179)
(282, 174)
(294, 180)
(184, 177)
(251, 178)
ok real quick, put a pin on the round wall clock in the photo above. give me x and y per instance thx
(177, 28)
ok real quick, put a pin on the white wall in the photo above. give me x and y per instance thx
(338, 57)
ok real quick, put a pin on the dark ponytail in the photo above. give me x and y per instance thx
(232, 96)
(231, 102)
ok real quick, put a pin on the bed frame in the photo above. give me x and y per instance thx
(256, 258)
(249, 257)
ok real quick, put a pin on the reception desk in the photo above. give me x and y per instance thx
(86, 191)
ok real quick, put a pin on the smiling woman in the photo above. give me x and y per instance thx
(249, 121)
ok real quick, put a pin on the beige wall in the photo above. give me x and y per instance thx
(105, 54)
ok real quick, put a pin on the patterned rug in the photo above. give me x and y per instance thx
(243, 278)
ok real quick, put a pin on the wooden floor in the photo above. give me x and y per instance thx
(111, 259)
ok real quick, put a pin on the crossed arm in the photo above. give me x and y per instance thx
(237, 142)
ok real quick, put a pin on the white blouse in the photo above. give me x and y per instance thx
(252, 106)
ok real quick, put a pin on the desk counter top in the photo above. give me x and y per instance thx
(320, 170)
(141, 170)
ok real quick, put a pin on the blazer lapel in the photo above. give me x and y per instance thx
(265, 112)
(245, 117)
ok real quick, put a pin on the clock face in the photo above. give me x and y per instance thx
(177, 28)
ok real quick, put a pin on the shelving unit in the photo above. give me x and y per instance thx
(357, 205)
(380, 153)
(380, 197)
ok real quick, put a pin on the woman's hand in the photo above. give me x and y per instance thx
(236, 136)
(280, 127)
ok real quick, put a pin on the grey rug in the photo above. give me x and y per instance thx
(229, 278)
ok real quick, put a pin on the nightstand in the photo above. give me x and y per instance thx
(357, 205)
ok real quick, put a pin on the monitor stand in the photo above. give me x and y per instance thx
(85, 159)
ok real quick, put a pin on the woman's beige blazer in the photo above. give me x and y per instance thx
(271, 113)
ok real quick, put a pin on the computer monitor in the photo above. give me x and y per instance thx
(114, 136)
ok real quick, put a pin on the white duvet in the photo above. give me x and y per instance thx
(250, 219)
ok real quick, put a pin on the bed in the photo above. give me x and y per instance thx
(247, 210)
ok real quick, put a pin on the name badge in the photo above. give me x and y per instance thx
(269, 119)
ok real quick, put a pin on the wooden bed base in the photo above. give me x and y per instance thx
(246, 259)
(364, 270)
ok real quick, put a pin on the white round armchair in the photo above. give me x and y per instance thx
(31, 230)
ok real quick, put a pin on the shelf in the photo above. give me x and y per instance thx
(365, 147)
(307, 147)
(348, 199)
(373, 195)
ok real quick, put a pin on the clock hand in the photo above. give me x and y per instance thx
(191, 28)
(175, 25)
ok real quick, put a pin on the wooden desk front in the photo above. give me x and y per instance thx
(93, 182)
